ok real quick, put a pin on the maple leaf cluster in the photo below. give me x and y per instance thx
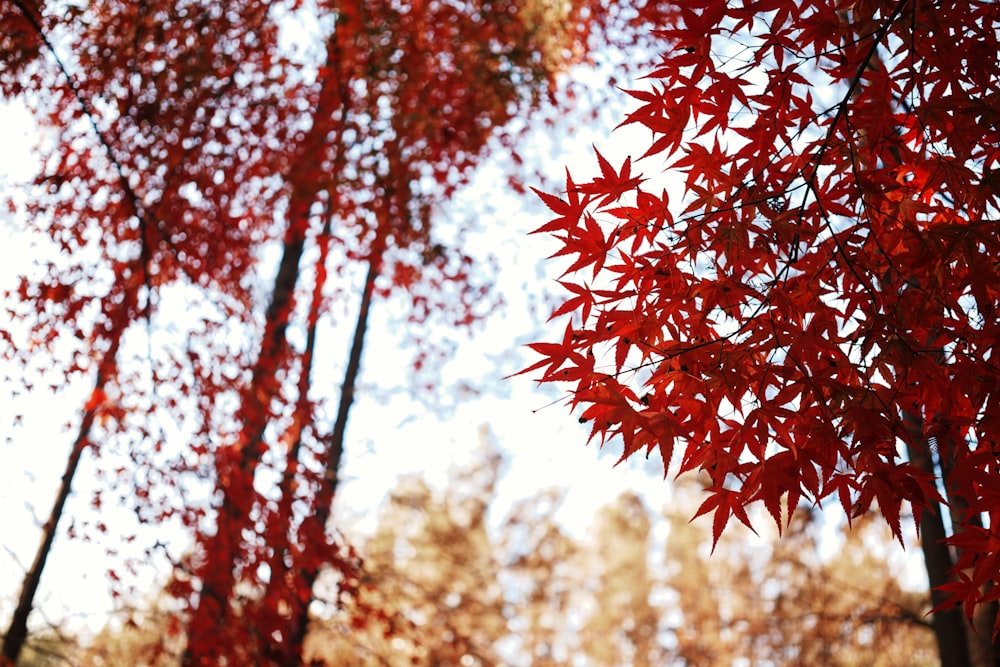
(812, 311)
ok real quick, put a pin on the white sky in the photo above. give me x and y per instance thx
(389, 436)
(543, 445)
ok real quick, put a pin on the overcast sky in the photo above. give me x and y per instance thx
(390, 434)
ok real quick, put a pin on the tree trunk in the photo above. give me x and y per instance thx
(957, 643)
(979, 633)
(17, 632)
(282, 588)
(299, 622)
(237, 465)
(949, 625)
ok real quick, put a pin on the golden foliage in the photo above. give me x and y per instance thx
(446, 584)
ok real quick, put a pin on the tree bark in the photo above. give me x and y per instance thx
(949, 625)
(956, 641)
(17, 632)
(237, 465)
(299, 622)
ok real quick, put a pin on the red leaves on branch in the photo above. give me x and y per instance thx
(814, 313)
(611, 185)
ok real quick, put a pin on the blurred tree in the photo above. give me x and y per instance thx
(551, 600)
(146, 636)
(183, 141)
(624, 625)
(48, 648)
(543, 592)
(781, 601)
(440, 586)
(431, 575)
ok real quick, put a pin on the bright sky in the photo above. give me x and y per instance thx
(390, 434)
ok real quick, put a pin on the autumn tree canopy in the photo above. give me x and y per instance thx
(809, 309)
(183, 143)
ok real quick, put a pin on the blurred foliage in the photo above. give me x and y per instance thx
(49, 648)
(446, 583)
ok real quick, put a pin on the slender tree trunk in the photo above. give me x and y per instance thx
(282, 588)
(299, 622)
(237, 465)
(17, 632)
(949, 625)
